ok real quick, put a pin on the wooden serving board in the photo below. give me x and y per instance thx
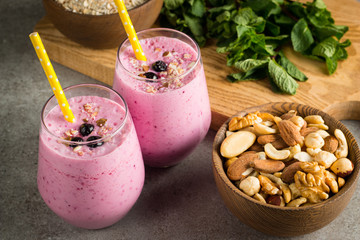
(338, 94)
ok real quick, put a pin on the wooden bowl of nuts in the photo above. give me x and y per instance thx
(96, 24)
(285, 169)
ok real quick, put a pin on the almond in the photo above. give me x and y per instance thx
(267, 166)
(279, 144)
(289, 172)
(264, 139)
(305, 131)
(288, 115)
(256, 147)
(331, 144)
(289, 132)
(240, 165)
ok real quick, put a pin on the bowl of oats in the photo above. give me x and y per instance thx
(96, 23)
(285, 169)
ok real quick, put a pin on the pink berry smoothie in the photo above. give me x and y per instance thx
(90, 187)
(171, 111)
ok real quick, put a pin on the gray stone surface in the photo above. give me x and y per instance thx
(176, 203)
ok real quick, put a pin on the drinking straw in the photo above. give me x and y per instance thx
(129, 28)
(51, 76)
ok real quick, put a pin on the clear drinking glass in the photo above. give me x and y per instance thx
(94, 183)
(171, 113)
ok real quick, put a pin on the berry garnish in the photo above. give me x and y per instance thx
(75, 139)
(159, 66)
(150, 75)
(94, 145)
(86, 129)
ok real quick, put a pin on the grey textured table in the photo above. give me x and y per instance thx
(176, 203)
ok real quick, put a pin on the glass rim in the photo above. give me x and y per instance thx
(102, 139)
(167, 78)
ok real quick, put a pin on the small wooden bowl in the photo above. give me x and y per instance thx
(285, 221)
(100, 31)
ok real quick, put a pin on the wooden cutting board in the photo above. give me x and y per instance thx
(338, 94)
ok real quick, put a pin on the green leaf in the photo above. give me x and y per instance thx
(198, 8)
(253, 74)
(196, 28)
(273, 86)
(242, 30)
(225, 16)
(301, 36)
(173, 4)
(331, 65)
(291, 69)
(326, 48)
(284, 20)
(282, 79)
(319, 4)
(272, 28)
(249, 64)
(297, 9)
(323, 32)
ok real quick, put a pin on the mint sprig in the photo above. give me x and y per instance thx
(253, 32)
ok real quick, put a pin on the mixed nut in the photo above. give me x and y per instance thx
(285, 161)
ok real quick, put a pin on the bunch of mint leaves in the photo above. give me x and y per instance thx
(252, 33)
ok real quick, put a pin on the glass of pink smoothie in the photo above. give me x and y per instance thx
(167, 94)
(90, 172)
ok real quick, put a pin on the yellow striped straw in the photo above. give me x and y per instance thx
(129, 28)
(51, 76)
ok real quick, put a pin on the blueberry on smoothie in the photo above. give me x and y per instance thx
(86, 129)
(159, 66)
(75, 139)
(94, 145)
(150, 75)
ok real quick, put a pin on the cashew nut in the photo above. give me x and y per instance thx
(295, 192)
(325, 158)
(228, 133)
(250, 185)
(286, 192)
(275, 154)
(260, 198)
(303, 157)
(323, 133)
(262, 155)
(341, 182)
(342, 150)
(263, 130)
(316, 119)
(298, 121)
(313, 151)
(293, 150)
(237, 143)
(314, 140)
(297, 202)
(268, 123)
(320, 126)
(247, 172)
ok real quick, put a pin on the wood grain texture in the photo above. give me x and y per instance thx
(328, 93)
(285, 221)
